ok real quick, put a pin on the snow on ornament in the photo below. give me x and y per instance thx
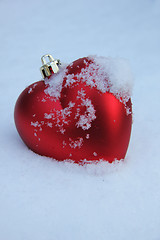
(81, 112)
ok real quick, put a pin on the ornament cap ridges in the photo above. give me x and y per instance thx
(49, 67)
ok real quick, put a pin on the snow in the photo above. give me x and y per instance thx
(85, 119)
(45, 199)
(55, 82)
(106, 74)
(118, 73)
(102, 73)
(60, 117)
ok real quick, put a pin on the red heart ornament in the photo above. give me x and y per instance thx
(83, 124)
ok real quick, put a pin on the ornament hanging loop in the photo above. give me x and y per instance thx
(49, 65)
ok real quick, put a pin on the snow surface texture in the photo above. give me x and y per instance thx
(43, 199)
(105, 74)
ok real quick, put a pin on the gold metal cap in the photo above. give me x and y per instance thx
(50, 66)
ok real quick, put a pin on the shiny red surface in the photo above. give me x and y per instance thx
(107, 138)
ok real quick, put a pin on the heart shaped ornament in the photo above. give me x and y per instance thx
(81, 112)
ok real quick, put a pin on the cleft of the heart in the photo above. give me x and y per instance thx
(82, 116)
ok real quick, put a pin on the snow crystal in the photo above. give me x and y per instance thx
(43, 100)
(60, 117)
(95, 154)
(87, 136)
(38, 125)
(76, 143)
(49, 124)
(35, 124)
(85, 119)
(64, 144)
(31, 88)
(128, 110)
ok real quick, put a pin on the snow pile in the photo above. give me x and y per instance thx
(107, 74)
(55, 82)
(114, 75)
